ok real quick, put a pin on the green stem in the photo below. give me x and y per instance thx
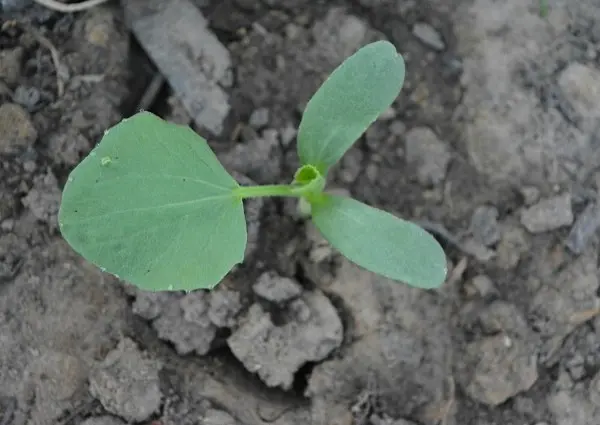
(268, 190)
(544, 8)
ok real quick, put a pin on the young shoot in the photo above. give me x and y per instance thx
(153, 205)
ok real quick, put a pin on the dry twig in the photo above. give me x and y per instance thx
(151, 92)
(60, 84)
(583, 316)
(70, 8)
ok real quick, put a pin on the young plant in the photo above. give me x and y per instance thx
(152, 205)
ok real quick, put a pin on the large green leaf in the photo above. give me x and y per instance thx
(348, 102)
(153, 205)
(380, 242)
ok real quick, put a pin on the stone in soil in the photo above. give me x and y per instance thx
(275, 288)
(397, 128)
(18, 132)
(186, 324)
(504, 368)
(178, 39)
(581, 85)
(127, 383)
(429, 154)
(10, 65)
(428, 35)
(43, 200)
(484, 225)
(259, 118)
(351, 165)
(150, 304)
(548, 214)
(189, 321)
(484, 286)
(276, 353)
(498, 367)
(584, 229)
(338, 35)
(28, 97)
(561, 300)
(513, 244)
(224, 305)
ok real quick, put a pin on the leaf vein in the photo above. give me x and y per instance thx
(152, 208)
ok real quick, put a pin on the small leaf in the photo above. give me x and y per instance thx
(348, 102)
(308, 181)
(380, 242)
(160, 212)
(306, 174)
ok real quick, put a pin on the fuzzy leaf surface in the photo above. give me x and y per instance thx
(348, 102)
(380, 242)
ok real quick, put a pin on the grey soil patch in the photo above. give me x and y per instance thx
(492, 145)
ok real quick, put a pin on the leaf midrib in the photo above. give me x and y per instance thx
(165, 176)
(153, 208)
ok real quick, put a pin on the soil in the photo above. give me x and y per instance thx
(492, 146)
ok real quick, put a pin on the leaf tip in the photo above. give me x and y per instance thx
(437, 272)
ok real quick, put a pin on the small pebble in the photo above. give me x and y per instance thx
(28, 97)
(430, 154)
(287, 135)
(484, 225)
(10, 65)
(530, 194)
(429, 36)
(397, 128)
(259, 118)
(584, 229)
(17, 129)
(7, 225)
(512, 246)
(388, 114)
(372, 171)
(127, 383)
(548, 214)
(292, 31)
(29, 166)
(484, 286)
(14, 5)
(276, 288)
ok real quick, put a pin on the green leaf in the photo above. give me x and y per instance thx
(308, 181)
(153, 205)
(306, 174)
(380, 242)
(348, 102)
